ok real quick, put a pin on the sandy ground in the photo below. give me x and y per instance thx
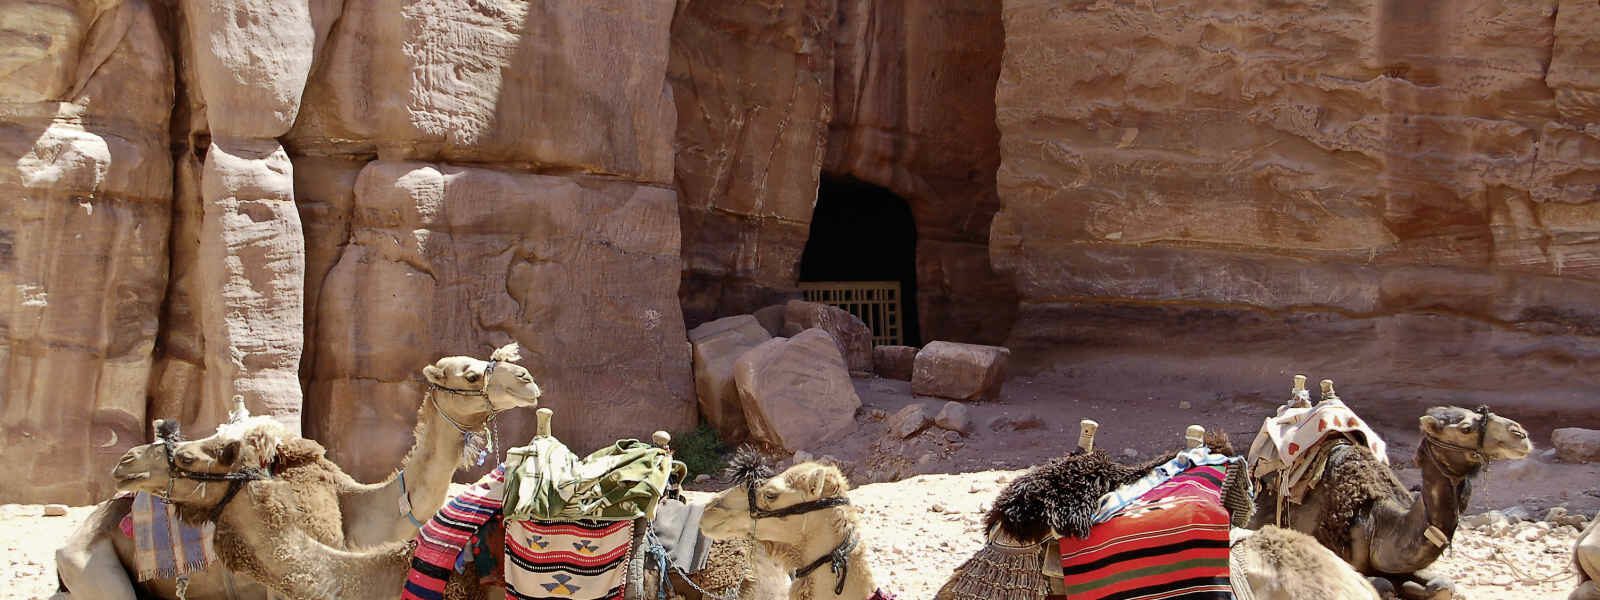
(923, 497)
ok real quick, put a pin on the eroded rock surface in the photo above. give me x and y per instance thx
(852, 335)
(965, 372)
(716, 345)
(894, 362)
(796, 391)
(1398, 181)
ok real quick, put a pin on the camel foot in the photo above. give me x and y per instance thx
(1434, 589)
(1385, 588)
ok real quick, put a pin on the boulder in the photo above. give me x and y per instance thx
(1019, 422)
(909, 421)
(965, 372)
(954, 417)
(893, 362)
(715, 346)
(1576, 445)
(796, 392)
(848, 331)
(771, 319)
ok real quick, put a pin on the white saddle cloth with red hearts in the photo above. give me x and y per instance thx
(1296, 431)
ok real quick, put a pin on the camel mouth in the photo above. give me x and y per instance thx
(127, 480)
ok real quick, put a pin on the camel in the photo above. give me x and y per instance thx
(804, 529)
(1271, 563)
(467, 394)
(1362, 512)
(1586, 559)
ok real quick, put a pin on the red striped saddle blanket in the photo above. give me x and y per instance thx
(1171, 543)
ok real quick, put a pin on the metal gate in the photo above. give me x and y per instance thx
(877, 303)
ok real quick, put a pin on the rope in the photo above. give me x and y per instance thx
(664, 568)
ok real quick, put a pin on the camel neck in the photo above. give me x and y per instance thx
(821, 582)
(1445, 489)
(432, 462)
(257, 535)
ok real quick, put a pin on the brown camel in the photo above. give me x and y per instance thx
(1586, 559)
(95, 562)
(1362, 512)
(802, 525)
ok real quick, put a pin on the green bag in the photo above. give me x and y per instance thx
(545, 481)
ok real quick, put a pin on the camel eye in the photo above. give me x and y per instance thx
(770, 495)
(471, 376)
(185, 460)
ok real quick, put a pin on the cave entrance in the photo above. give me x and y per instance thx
(862, 256)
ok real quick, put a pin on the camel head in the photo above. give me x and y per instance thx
(249, 443)
(808, 497)
(481, 387)
(1496, 437)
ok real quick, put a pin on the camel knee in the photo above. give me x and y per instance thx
(1587, 555)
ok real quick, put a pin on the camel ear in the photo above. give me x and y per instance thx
(264, 444)
(434, 374)
(1429, 424)
(229, 455)
(824, 482)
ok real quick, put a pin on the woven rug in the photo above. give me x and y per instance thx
(1171, 543)
(164, 547)
(577, 560)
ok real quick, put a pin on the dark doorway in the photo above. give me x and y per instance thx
(862, 232)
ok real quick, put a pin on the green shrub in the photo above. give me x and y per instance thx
(702, 450)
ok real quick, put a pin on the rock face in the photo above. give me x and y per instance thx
(796, 391)
(580, 271)
(87, 177)
(1576, 445)
(1398, 181)
(965, 372)
(716, 345)
(852, 335)
(895, 94)
(893, 362)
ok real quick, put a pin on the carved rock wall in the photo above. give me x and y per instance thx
(898, 94)
(1408, 187)
(86, 176)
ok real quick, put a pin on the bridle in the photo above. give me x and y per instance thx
(235, 479)
(484, 431)
(1431, 445)
(837, 559)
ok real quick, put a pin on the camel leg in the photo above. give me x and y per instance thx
(93, 570)
(1437, 588)
(1587, 590)
(1384, 586)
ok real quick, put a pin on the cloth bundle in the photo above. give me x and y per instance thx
(444, 537)
(1172, 541)
(165, 547)
(621, 482)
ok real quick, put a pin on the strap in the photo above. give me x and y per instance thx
(838, 561)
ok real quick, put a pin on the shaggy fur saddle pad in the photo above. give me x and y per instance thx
(1060, 495)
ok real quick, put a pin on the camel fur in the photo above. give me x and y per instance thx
(96, 558)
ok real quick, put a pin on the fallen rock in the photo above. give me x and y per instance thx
(1020, 422)
(715, 346)
(908, 421)
(771, 319)
(954, 417)
(796, 392)
(55, 510)
(965, 372)
(849, 332)
(1484, 519)
(1576, 445)
(894, 362)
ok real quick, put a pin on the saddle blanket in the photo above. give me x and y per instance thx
(1170, 543)
(1297, 432)
(165, 547)
(577, 560)
(443, 537)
